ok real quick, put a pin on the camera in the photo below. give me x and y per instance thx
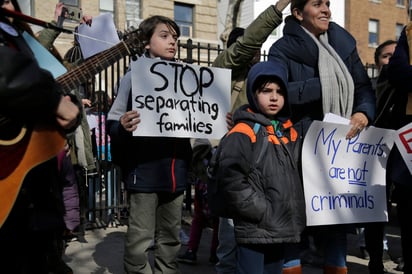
(72, 13)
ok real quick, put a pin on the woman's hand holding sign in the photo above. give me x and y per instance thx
(129, 120)
(358, 122)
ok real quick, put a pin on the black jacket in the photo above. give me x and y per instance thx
(299, 53)
(399, 71)
(400, 75)
(267, 201)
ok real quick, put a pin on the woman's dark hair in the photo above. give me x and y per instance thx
(20, 24)
(379, 49)
(100, 101)
(148, 26)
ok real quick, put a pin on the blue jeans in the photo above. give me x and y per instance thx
(332, 241)
(260, 259)
(292, 255)
(227, 248)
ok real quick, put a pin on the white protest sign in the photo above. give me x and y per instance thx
(403, 141)
(180, 100)
(344, 179)
(100, 36)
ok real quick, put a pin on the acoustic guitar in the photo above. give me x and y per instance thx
(30, 148)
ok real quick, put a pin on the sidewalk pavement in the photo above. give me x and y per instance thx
(102, 253)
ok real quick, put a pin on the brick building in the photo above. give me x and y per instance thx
(197, 18)
(372, 22)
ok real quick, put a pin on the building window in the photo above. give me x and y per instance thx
(106, 6)
(133, 17)
(398, 31)
(71, 2)
(400, 3)
(184, 19)
(373, 33)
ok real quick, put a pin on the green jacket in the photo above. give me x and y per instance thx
(239, 55)
(48, 36)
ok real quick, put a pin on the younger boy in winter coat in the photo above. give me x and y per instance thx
(266, 200)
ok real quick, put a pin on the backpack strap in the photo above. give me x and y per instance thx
(237, 88)
(215, 196)
(256, 136)
(264, 143)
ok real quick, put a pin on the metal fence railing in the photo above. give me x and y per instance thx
(107, 201)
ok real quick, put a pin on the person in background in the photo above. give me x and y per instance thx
(400, 75)
(266, 201)
(71, 207)
(241, 53)
(382, 55)
(158, 172)
(96, 118)
(325, 75)
(202, 153)
(370, 247)
(80, 142)
(30, 98)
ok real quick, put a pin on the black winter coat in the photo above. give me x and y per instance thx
(299, 53)
(400, 75)
(267, 201)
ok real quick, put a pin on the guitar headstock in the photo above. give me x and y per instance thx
(131, 38)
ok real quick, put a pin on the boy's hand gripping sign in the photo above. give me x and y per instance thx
(344, 179)
(180, 100)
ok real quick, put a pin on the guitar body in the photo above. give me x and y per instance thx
(32, 149)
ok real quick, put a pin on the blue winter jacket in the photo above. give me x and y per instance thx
(299, 53)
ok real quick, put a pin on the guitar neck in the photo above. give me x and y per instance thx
(88, 69)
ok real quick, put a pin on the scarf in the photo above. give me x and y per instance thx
(335, 79)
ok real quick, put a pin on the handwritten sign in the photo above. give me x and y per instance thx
(180, 100)
(404, 143)
(344, 180)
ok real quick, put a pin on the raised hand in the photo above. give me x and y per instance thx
(282, 4)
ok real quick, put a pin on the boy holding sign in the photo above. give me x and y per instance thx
(157, 166)
(265, 199)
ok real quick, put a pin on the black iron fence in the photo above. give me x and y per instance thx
(106, 197)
